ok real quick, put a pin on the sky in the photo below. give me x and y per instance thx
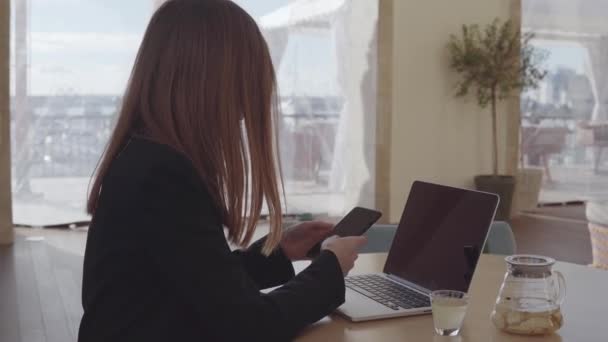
(88, 47)
(564, 54)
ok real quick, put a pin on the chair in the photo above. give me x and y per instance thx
(500, 240)
(539, 143)
(597, 215)
(599, 239)
(593, 135)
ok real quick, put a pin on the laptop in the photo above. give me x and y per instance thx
(437, 245)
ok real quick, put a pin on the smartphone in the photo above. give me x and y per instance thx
(355, 223)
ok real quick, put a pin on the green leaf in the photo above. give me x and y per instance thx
(498, 57)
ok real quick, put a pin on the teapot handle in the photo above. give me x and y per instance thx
(561, 291)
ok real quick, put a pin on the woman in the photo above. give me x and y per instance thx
(193, 151)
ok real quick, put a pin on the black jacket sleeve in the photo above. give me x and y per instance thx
(266, 271)
(222, 288)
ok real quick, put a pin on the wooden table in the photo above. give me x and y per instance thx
(585, 310)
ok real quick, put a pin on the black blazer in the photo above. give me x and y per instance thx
(157, 266)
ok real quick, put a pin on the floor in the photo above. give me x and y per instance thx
(558, 232)
(572, 212)
(40, 287)
(41, 273)
(575, 183)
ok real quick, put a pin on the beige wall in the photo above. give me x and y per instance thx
(6, 217)
(434, 136)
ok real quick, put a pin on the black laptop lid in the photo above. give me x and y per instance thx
(440, 236)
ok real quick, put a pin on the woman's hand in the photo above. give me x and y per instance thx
(346, 250)
(299, 239)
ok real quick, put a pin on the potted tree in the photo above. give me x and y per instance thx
(494, 63)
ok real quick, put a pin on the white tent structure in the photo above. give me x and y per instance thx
(299, 16)
(352, 26)
(567, 17)
(303, 14)
(579, 21)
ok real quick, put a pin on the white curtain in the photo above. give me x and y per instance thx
(339, 116)
(278, 40)
(353, 165)
(598, 56)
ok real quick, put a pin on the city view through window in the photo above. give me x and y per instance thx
(565, 121)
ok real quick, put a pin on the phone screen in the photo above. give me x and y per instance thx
(355, 223)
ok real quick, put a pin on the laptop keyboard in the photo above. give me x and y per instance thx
(387, 292)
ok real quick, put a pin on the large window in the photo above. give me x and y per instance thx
(565, 121)
(71, 60)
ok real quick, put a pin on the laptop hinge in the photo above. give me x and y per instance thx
(409, 284)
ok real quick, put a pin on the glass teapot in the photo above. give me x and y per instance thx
(530, 297)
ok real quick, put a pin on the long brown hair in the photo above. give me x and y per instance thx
(203, 83)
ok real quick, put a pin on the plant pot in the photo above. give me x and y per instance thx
(527, 189)
(504, 187)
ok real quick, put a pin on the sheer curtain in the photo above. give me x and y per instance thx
(325, 51)
(71, 60)
(566, 119)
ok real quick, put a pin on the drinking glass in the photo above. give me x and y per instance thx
(449, 308)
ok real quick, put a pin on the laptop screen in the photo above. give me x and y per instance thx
(440, 236)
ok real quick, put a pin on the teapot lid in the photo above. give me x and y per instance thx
(529, 260)
(532, 266)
